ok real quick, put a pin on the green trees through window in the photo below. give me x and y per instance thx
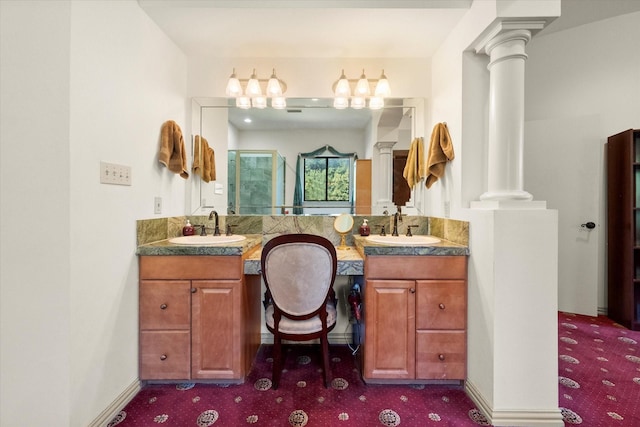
(326, 179)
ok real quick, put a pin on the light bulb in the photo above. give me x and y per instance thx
(376, 103)
(259, 102)
(358, 102)
(278, 102)
(382, 88)
(340, 102)
(233, 85)
(273, 86)
(342, 87)
(362, 88)
(253, 87)
(243, 102)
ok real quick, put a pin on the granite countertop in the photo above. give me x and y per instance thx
(164, 247)
(444, 247)
(350, 261)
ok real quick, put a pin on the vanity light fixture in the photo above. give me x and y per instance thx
(253, 95)
(362, 91)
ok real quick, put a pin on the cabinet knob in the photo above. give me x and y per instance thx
(163, 357)
(163, 306)
(193, 290)
(412, 290)
(441, 356)
(441, 306)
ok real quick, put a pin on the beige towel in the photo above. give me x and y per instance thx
(440, 151)
(204, 160)
(415, 170)
(172, 152)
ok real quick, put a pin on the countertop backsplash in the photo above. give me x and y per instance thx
(156, 229)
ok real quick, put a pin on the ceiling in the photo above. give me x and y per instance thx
(307, 28)
(332, 29)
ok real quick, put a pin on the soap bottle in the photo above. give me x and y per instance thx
(188, 229)
(364, 228)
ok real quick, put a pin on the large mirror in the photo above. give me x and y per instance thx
(256, 152)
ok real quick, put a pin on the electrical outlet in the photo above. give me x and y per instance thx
(111, 173)
(157, 205)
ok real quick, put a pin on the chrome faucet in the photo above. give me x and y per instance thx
(216, 230)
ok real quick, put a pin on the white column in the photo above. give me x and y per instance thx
(384, 172)
(506, 116)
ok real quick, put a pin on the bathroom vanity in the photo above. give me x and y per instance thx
(200, 316)
(415, 310)
(201, 311)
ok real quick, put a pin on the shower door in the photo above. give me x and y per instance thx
(257, 184)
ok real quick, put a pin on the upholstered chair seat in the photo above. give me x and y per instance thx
(308, 326)
(299, 271)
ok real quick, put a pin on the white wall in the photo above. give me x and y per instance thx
(588, 74)
(35, 204)
(88, 81)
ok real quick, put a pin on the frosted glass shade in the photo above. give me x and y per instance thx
(243, 102)
(278, 102)
(376, 103)
(340, 102)
(383, 90)
(362, 87)
(259, 102)
(358, 102)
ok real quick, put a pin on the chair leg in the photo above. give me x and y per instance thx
(325, 360)
(277, 362)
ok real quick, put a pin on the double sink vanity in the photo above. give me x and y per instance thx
(201, 298)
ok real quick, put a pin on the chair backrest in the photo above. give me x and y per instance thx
(299, 271)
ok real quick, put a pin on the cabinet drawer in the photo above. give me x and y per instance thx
(191, 267)
(165, 355)
(441, 304)
(441, 355)
(415, 267)
(165, 304)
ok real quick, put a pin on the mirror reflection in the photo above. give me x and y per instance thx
(257, 153)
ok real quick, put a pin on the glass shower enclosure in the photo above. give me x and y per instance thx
(256, 182)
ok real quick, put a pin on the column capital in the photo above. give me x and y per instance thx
(505, 30)
(384, 147)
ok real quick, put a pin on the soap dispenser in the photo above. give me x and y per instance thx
(364, 228)
(188, 229)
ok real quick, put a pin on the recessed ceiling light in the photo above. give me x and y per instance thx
(248, 120)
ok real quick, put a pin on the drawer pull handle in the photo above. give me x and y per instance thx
(441, 306)
(163, 306)
(193, 290)
(412, 290)
(441, 357)
(163, 357)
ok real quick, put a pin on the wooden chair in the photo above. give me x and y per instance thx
(299, 271)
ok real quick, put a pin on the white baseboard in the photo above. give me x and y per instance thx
(550, 418)
(116, 406)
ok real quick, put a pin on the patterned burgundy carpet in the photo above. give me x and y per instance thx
(599, 383)
(599, 372)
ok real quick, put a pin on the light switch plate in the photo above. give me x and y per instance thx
(111, 173)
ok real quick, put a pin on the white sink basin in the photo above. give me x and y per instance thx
(403, 240)
(206, 240)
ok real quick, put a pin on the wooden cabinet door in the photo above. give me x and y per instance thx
(216, 329)
(390, 329)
